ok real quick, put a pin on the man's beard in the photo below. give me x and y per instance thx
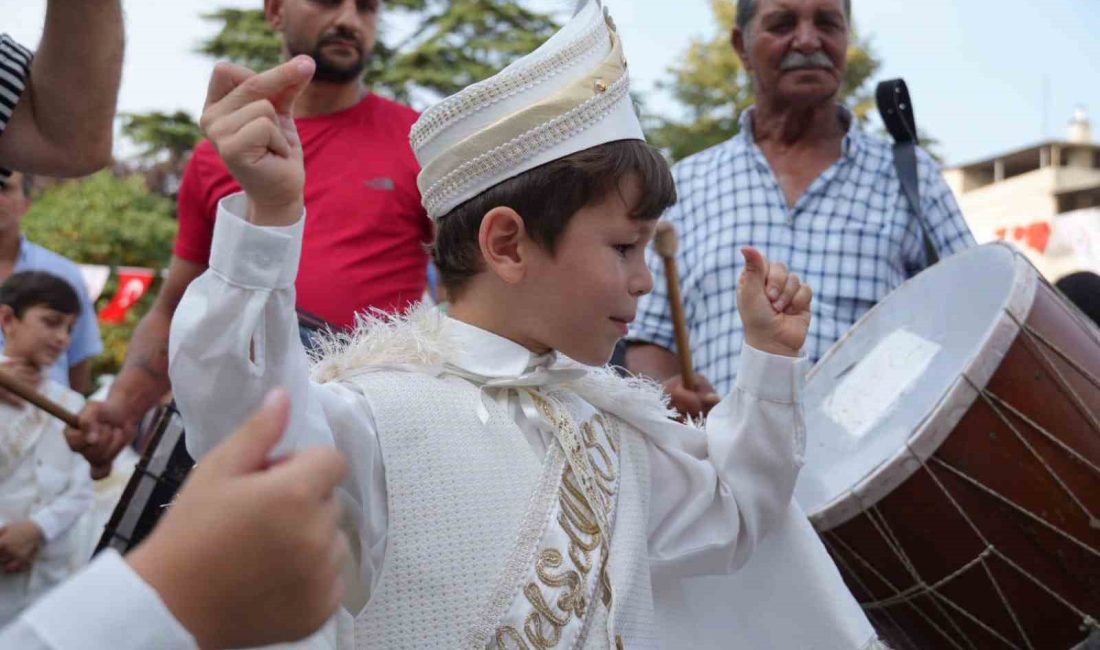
(327, 69)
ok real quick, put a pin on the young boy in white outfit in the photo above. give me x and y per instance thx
(506, 490)
(44, 486)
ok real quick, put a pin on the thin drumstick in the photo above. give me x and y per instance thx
(666, 243)
(13, 385)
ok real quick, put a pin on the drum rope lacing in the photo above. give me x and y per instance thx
(910, 595)
(1037, 338)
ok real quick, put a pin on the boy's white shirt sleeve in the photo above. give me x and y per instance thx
(234, 337)
(61, 513)
(77, 615)
(716, 494)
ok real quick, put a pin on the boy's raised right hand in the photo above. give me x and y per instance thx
(249, 118)
(250, 552)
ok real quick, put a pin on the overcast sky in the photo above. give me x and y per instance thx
(977, 69)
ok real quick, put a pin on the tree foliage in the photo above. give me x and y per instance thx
(453, 43)
(108, 220)
(244, 38)
(712, 87)
(169, 136)
(457, 43)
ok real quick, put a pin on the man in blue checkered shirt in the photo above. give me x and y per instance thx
(803, 184)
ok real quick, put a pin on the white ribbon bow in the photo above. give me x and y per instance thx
(502, 389)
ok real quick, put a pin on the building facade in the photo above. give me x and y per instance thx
(1044, 198)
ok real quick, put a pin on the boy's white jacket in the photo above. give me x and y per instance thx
(235, 336)
(41, 479)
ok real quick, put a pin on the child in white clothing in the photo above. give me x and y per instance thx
(44, 486)
(505, 490)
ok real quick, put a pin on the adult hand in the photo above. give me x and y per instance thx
(26, 373)
(105, 428)
(691, 403)
(250, 553)
(20, 542)
(774, 305)
(250, 121)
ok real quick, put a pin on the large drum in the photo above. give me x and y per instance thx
(953, 461)
(157, 477)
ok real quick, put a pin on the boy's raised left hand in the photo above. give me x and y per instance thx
(249, 118)
(774, 305)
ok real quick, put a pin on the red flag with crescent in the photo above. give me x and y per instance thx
(132, 285)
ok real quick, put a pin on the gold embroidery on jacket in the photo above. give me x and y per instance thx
(543, 627)
(509, 633)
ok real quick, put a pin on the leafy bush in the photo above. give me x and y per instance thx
(104, 219)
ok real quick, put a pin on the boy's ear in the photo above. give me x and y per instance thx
(503, 241)
(7, 318)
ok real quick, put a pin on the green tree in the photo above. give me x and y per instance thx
(244, 38)
(454, 43)
(713, 87)
(457, 43)
(108, 220)
(162, 136)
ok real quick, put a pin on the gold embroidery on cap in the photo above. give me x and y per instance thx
(600, 86)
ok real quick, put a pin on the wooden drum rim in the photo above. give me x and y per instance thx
(953, 403)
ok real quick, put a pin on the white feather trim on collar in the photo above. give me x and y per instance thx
(417, 341)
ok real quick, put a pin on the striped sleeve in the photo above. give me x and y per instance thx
(15, 67)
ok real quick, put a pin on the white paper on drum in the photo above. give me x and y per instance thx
(870, 390)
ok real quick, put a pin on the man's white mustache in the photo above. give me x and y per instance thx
(796, 60)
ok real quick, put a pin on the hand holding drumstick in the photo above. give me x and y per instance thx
(691, 394)
(73, 433)
(773, 304)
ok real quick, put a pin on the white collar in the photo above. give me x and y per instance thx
(484, 353)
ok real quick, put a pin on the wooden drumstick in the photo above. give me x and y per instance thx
(30, 395)
(666, 243)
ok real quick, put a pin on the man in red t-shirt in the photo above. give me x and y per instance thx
(365, 227)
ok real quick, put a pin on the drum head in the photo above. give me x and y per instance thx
(888, 393)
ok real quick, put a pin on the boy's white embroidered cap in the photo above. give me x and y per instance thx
(571, 94)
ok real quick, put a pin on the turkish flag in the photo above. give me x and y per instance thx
(132, 285)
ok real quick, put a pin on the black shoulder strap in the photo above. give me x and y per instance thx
(896, 110)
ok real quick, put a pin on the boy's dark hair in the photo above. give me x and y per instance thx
(547, 197)
(27, 289)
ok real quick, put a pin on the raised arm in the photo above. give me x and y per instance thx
(62, 123)
(234, 334)
(717, 494)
